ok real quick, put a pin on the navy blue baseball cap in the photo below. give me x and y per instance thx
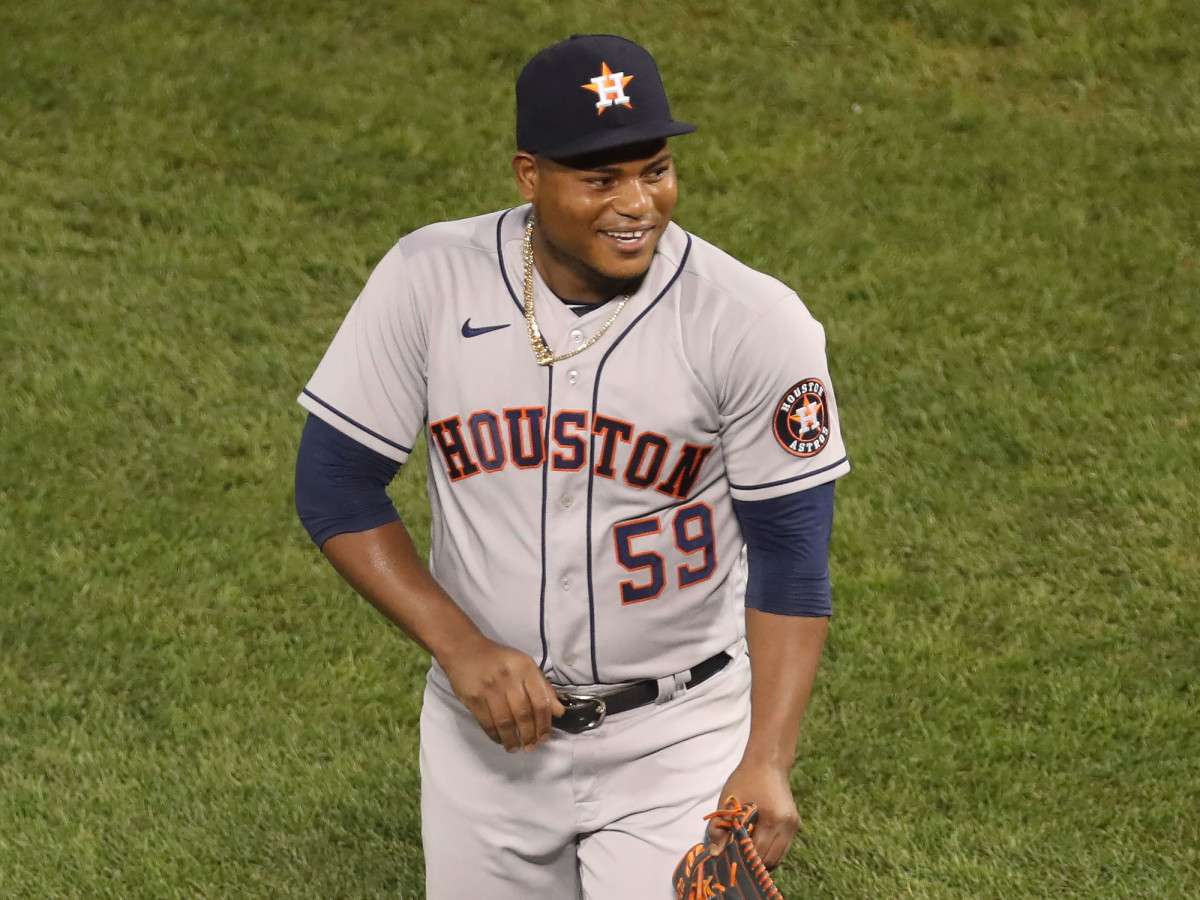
(591, 92)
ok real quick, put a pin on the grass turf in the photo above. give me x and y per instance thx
(993, 209)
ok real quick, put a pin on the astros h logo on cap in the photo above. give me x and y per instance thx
(610, 86)
(556, 119)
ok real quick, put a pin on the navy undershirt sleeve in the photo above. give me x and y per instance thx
(787, 543)
(341, 485)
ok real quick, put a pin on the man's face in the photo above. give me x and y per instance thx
(598, 218)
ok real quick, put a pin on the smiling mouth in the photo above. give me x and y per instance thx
(629, 239)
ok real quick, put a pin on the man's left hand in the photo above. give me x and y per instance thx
(778, 819)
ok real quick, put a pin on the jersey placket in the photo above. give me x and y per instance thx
(568, 520)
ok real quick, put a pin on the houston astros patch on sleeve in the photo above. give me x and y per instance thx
(801, 421)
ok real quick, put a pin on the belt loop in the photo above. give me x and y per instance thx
(671, 686)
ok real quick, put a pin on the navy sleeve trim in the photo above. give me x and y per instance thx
(341, 485)
(359, 425)
(787, 544)
(771, 484)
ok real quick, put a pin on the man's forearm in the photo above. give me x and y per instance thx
(784, 654)
(502, 687)
(383, 566)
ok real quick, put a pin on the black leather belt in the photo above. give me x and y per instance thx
(587, 711)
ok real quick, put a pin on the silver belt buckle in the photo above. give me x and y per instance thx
(576, 709)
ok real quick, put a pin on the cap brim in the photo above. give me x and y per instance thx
(616, 137)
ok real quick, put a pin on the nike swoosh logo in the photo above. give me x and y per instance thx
(469, 332)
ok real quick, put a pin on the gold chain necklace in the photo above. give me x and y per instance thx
(543, 354)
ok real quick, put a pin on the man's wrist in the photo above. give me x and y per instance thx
(458, 642)
(770, 756)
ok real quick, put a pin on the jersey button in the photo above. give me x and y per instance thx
(565, 584)
(569, 659)
(573, 376)
(567, 501)
(577, 335)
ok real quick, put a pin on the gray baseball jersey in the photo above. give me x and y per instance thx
(583, 512)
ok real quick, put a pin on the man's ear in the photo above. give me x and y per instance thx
(525, 170)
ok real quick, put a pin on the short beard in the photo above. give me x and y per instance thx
(603, 286)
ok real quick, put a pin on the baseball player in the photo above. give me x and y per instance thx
(633, 441)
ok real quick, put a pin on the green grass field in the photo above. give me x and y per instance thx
(995, 210)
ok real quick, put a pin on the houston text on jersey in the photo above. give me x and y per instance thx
(488, 442)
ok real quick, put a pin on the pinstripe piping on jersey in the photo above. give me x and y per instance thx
(545, 495)
(500, 262)
(358, 425)
(592, 447)
(771, 484)
(545, 439)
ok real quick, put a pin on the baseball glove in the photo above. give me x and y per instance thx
(736, 873)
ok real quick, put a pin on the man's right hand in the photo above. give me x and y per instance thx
(503, 688)
(505, 691)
